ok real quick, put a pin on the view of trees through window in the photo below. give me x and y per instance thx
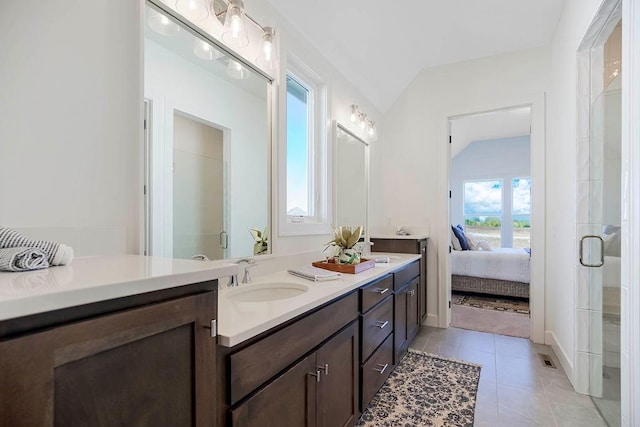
(483, 210)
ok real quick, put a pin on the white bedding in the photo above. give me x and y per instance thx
(501, 263)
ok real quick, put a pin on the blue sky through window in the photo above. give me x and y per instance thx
(521, 196)
(297, 149)
(483, 198)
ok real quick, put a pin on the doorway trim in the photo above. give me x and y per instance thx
(537, 103)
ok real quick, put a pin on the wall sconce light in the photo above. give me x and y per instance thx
(267, 58)
(235, 32)
(367, 126)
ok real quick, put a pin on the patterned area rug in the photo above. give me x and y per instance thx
(425, 390)
(489, 302)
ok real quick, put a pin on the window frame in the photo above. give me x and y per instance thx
(318, 222)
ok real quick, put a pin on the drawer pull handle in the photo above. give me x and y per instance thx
(380, 324)
(324, 368)
(381, 291)
(317, 375)
(411, 292)
(382, 368)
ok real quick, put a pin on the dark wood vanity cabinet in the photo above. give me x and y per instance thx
(301, 373)
(409, 246)
(376, 332)
(128, 363)
(405, 317)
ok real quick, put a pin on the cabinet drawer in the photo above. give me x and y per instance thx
(375, 292)
(376, 371)
(400, 278)
(377, 324)
(257, 363)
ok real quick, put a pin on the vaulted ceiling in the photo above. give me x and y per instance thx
(380, 46)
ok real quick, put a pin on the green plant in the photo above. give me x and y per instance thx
(261, 238)
(344, 238)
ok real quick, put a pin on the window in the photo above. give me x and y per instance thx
(303, 172)
(483, 209)
(299, 148)
(521, 212)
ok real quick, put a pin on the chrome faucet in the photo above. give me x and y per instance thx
(250, 262)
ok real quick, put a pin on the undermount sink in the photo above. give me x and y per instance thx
(263, 292)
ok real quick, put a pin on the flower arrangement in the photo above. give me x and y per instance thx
(343, 242)
(261, 238)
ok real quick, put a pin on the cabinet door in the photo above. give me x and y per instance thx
(146, 366)
(400, 323)
(290, 400)
(337, 389)
(413, 318)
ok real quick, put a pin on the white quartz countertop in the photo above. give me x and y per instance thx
(397, 236)
(94, 279)
(239, 321)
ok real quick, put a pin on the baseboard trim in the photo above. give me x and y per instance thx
(431, 320)
(567, 365)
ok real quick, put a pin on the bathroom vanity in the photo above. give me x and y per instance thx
(317, 358)
(123, 340)
(132, 340)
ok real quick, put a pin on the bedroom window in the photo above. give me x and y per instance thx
(483, 209)
(521, 212)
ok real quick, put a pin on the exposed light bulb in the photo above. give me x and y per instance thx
(363, 121)
(371, 129)
(267, 58)
(235, 33)
(354, 113)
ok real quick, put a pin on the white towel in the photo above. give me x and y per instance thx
(22, 259)
(57, 254)
(314, 273)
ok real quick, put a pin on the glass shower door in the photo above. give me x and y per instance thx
(599, 217)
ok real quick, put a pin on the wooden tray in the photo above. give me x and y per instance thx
(364, 264)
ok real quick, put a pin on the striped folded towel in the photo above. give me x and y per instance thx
(56, 253)
(22, 259)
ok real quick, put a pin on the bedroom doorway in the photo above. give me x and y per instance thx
(490, 216)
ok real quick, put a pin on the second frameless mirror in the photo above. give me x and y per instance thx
(208, 147)
(352, 178)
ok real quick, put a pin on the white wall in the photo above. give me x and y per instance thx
(561, 162)
(504, 159)
(411, 163)
(70, 116)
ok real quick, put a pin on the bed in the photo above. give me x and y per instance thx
(501, 271)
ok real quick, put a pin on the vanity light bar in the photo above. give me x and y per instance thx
(162, 8)
(365, 123)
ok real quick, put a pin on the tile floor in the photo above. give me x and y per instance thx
(515, 388)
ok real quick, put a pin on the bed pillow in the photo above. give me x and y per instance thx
(457, 230)
(455, 243)
(484, 245)
(472, 240)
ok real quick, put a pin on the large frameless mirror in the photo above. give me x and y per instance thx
(351, 179)
(208, 139)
